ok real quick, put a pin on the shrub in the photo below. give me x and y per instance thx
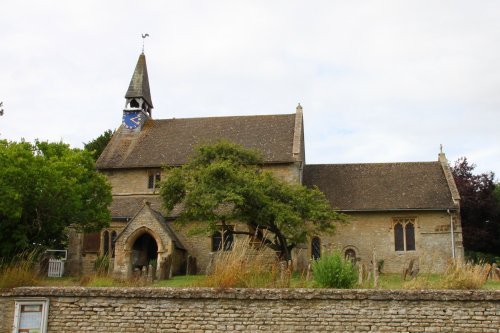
(333, 271)
(465, 275)
(480, 257)
(101, 265)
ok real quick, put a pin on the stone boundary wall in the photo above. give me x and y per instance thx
(77, 309)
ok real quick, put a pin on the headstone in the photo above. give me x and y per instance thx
(191, 266)
(375, 270)
(211, 263)
(309, 272)
(411, 270)
(361, 271)
(495, 272)
(163, 270)
(150, 275)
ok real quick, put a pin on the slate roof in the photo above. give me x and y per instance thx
(127, 206)
(171, 141)
(382, 186)
(139, 84)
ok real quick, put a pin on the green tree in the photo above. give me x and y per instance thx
(96, 146)
(224, 182)
(44, 188)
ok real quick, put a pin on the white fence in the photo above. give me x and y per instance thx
(56, 268)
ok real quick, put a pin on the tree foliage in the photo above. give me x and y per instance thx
(44, 188)
(96, 146)
(225, 182)
(479, 207)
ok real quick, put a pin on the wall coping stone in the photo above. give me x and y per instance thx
(257, 294)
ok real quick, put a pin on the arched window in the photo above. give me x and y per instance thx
(105, 243)
(223, 239)
(315, 248)
(399, 237)
(216, 241)
(404, 234)
(113, 241)
(350, 254)
(134, 103)
(410, 236)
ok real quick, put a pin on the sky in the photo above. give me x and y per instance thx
(379, 81)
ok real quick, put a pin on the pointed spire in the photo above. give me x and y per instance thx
(298, 108)
(139, 84)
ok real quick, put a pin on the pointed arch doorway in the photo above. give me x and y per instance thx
(144, 250)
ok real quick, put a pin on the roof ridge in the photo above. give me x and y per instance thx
(238, 116)
(374, 163)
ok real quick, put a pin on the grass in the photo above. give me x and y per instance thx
(19, 270)
(183, 281)
(386, 281)
(492, 285)
(246, 266)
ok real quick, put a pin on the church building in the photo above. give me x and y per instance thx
(399, 211)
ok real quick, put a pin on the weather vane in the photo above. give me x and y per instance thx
(143, 38)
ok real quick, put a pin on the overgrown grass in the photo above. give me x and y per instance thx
(465, 276)
(20, 270)
(246, 266)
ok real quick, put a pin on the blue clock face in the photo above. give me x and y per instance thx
(132, 119)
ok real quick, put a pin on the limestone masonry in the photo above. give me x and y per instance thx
(197, 310)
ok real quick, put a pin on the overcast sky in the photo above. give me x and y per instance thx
(379, 81)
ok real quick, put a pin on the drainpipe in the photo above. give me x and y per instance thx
(452, 235)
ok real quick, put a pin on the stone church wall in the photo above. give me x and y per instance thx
(259, 310)
(135, 181)
(129, 181)
(372, 231)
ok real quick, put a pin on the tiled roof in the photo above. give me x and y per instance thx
(126, 206)
(171, 141)
(382, 186)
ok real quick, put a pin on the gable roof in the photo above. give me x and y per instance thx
(171, 141)
(382, 186)
(127, 206)
(160, 219)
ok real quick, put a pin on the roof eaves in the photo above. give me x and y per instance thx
(397, 209)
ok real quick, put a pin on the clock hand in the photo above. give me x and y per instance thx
(136, 120)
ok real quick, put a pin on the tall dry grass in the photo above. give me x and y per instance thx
(460, 275)
(20, 270)
(246, 266)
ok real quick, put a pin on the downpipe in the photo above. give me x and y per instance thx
(452, 234)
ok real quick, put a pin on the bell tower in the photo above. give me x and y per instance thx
(138, 105)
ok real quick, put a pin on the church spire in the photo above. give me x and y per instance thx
(138, 94)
